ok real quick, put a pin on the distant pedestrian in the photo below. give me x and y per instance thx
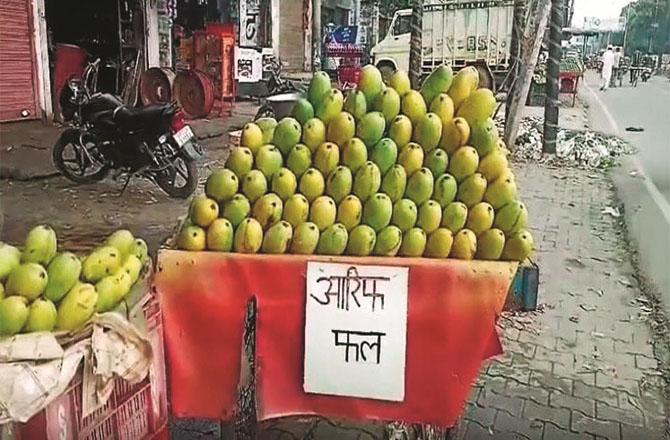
(606, 73)
(617, 57)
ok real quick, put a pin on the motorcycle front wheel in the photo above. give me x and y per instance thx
(73, 159)
(180, 179)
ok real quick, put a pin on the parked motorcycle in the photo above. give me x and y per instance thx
(105, 135)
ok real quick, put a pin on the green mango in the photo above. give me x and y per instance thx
(77, 307)
(400, 130)
(377, 211)
(222, 185)
(240, 161)
(330, 106)
(339, 183)
(42, 316)
(370, 83)
(405, 214)
(236, 209)
(388, 242)
(388, 103)
(299, 159)
(319, 87)
(296, 210)
(248, 237)
(190, 238)
(394, 183)
(445, 190)
(13, 315)
(286, 135)
(420, 186)
(355, 104)
(10, 258)
(370, 128)
(350, 212)
(305, 239)
(367, 181)
(252, 137)
(314, 134)
(362, 241)
(40, 246)
(484, 136)
(333, 241)
(267, 126)
(384, 154)
(428, 131)
(437, 82)
(278, 238)
(413, 243)
(354, 154)
(63, 273)
(302, 111)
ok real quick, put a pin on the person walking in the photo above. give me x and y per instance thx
(606, 73)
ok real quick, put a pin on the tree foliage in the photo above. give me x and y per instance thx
(648, 20)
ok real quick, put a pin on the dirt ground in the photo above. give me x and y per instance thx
(83, 215)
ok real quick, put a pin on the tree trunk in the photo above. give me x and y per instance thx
(553, 66)
(515, 48)
(415, 44)
(530, 48)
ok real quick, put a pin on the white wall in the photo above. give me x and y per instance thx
(42, 59)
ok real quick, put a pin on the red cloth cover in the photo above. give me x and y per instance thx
(452, 311)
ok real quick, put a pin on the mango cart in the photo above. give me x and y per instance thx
(376, 240)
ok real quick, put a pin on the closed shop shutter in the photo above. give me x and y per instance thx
(18, 91)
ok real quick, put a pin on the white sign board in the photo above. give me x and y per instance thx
(356, 330)
(249, 22)
(249, 65)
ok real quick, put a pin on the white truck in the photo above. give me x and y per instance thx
(455, 32)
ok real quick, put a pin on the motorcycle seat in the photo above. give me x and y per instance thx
(132, 118)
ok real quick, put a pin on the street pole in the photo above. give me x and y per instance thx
(316, 35)
(553, 67)
(415, 43)
(625, 29)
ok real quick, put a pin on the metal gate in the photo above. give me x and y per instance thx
(18, 81)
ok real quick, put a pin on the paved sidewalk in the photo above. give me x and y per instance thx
(584, 368)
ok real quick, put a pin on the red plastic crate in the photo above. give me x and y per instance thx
(133, 412)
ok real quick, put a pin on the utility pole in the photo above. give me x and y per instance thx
(654, 28)
(530, 49)
(625, 29)
(316, 35)
(553, 67)
(415, 43)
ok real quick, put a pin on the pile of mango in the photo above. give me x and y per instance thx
(385, 170)
(42, 289)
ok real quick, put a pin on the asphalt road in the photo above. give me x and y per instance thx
(646, 106)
